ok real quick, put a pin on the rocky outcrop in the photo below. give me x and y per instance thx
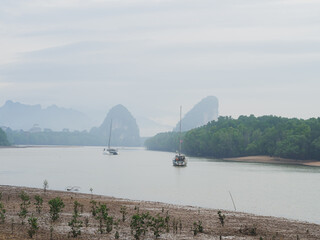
(203, 112)
(125, 131)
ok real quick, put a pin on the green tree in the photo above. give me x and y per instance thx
(123, 211)
(102, 216)
(75, 223)
(33, 226)
(56, 206)
(2, 210)
(3, 138)
(38, 203)
(24, 205)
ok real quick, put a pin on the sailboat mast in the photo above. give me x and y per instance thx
(110, 134)
(180, 132)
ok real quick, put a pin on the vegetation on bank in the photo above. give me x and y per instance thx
(143, 224)
(65, 138)
(246, 136)
(3, 138)
(62, 215)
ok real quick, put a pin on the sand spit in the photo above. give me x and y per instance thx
(237, 225)
(275, 160)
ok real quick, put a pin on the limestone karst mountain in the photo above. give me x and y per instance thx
(202, 113)
(125, 131)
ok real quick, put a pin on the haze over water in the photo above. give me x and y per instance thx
(274, 190)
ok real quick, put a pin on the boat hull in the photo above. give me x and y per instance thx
(179, 161)
(110, 152)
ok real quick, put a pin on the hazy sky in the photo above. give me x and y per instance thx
(257, 56)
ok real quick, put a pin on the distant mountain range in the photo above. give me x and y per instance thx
(203, 112)
(21, 116)
(125, 132)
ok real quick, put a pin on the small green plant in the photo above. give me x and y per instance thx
(157, 225)
(2, 213)
(194, 229)
(86, 221)
(56, 205)
(180, 225)
(94, 208)
(175, 226)
(109, 224)
(248, 230)
(2, 210)
(45, 185)
(116, 226)
(75, 223)
(117, 235)
(200, 227)
(197, 228)
(24, 205)
(221, 217)
(101, 216)
(166, 220)
(123, 211)
(33, 226)
(139, 224)
(38, 203)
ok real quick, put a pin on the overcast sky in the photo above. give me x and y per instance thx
(257, 56)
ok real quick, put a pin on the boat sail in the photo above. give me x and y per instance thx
(109, 150)
(180, 160)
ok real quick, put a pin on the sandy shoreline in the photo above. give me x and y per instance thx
(237, 225)
(274, 160)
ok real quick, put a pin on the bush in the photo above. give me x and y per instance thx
(75, 223)
(33, 222)
(38, 203)
(221, 218)
(24, 206)
(56, 205)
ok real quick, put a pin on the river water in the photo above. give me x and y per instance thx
(265, 189)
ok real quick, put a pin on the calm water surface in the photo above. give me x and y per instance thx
(264, 189)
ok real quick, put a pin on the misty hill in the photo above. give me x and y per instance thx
(203, 112)
(148, 127)
(22, 116)
(125, 131)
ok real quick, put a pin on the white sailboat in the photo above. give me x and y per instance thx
(109, 150)
(179, 160)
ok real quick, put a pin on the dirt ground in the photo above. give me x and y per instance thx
(237, 225)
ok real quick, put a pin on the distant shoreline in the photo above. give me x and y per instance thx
(274, 160)
(249, 159)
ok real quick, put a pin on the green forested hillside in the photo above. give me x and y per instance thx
(3, 138)
(247, 136)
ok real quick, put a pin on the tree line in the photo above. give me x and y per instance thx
(75, 138)
(246, 136)
(3, 138)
